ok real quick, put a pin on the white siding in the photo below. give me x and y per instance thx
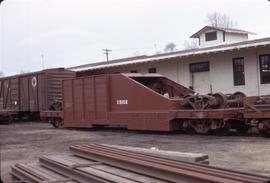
(211, 43)
(221, 70)
(231, 38)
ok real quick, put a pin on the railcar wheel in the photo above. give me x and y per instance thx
(10, 119)
(242, 130)
(223, 131)
(264, 133)
(57, 123)
(198, 101)
(200, 126)
(264, 128)
(221, 100)
(239, 96)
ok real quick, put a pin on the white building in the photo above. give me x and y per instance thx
(226, 61)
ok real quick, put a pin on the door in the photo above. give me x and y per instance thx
(33, 93)
(100, 89)
(201, 82)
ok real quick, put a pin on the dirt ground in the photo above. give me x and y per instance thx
(25, 142)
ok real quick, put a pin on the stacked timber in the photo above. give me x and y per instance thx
(172, 155)
(105, 164)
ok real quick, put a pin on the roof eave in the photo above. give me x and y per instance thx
(176, 55)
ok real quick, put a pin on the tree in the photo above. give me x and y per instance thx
(137, 53)
(170, 47)
(220, 20)
(190, 44)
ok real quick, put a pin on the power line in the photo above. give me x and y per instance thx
(106, 52)
(42, 61)
(128, 49)
(154, 47)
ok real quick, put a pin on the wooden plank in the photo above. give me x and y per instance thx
(127, 174)
(172, 155)
(34, 172)
(96, 169)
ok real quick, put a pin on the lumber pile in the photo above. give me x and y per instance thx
(108, 164)
(172, 155)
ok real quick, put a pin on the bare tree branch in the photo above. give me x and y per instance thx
(170, 47)
(220, 20)
(190, 44)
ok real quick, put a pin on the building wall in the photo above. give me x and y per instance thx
(219, 39)
(221, 70)
(230, 38)
(167, 68)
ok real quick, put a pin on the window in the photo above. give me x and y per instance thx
(238, 71)
(210, 36)
(199, 67)
(134, 71)
(265, 68)
(152, 70)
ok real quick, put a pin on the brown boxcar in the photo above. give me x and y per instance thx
(152, 102)
(27, 94)
(136, 101)
(149, 102)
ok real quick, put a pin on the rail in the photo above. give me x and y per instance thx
(164, 169)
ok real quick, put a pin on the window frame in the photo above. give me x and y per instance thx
(261, 69)
(237, 81)
(212, 37)
(198, 63)
(152, 68)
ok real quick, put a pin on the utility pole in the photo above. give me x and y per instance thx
(106, 52)
(42, 61)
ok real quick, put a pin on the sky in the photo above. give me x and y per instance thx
(36, 34)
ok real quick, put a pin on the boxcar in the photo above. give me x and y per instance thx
(132, 100)
(153, 102)
(25, 95)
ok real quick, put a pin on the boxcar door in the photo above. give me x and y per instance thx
(14, 93)
(1, 95)
(101, 98)
(24, 94)
(6, 95)
(33, 93)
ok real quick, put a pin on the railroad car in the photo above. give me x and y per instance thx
(257, 113)
(149, 102)
(24, 96)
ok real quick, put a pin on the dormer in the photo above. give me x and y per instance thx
(211, 36)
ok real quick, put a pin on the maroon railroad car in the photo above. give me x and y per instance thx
(26, 95)
(257, 113)
(137, 101)
(152, 102)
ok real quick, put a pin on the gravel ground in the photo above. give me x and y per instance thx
(25, 142)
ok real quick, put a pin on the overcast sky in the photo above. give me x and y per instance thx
(74, 32)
